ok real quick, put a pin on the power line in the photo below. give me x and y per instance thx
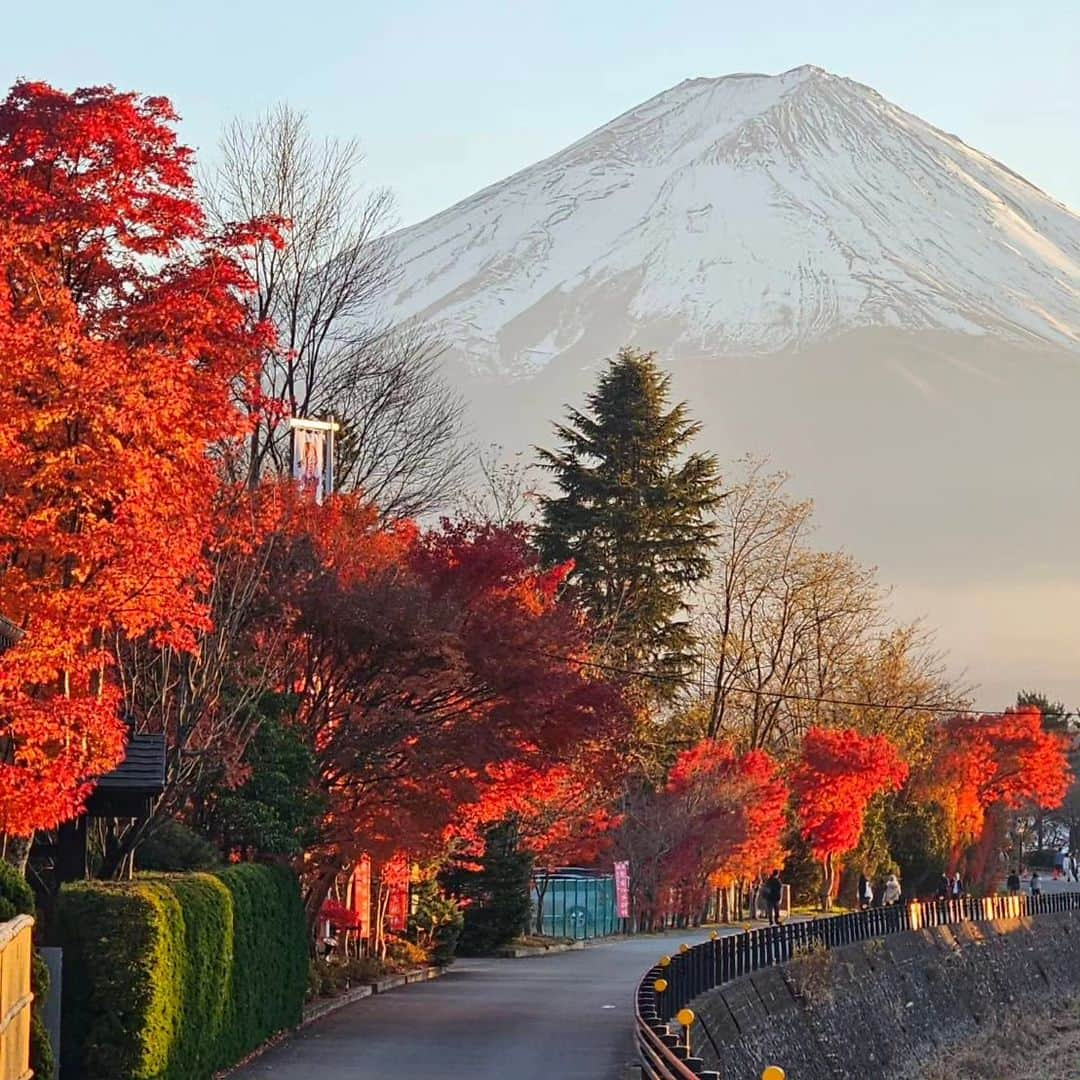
(917, 706)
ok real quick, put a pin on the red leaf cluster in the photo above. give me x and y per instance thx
(124, 345)
(339, 916)
(731, 809)
(439, 671)
(836, 776)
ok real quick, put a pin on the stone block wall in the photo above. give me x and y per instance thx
(881, 1007)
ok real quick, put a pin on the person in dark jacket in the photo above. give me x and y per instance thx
(774, 892)
(956, 887)
(1012, 883)
(943, 887)
(1036, 883)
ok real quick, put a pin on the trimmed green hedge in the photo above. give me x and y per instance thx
(178, 976)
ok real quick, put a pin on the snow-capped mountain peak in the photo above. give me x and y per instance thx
(744, 214)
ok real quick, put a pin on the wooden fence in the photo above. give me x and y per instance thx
(15, 998)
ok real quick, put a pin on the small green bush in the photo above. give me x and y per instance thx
(176, 977)
(42, 1059)
(17, 898)
(364, 969)
(402, 955)
(436, 922)
(172, 847)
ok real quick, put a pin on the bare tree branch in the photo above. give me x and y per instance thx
(323, 292)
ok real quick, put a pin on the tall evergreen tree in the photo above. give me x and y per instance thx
(1055, 716)
(633, 512)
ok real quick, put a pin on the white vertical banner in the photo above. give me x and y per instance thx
(313, 456)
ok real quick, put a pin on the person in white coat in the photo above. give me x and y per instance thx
(891, 893)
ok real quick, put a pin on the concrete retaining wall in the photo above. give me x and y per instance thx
(881, 1007)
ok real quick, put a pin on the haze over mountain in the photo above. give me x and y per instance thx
(884, 311)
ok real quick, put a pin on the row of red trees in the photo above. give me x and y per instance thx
(723, 818)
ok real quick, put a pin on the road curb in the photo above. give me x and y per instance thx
(520, 952)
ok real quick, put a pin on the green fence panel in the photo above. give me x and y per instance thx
(577, 906)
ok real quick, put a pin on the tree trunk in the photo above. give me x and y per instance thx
(828, 875)
(16, 851)
(541, 882)
(316, 894)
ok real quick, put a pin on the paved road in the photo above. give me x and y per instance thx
(566, 1016)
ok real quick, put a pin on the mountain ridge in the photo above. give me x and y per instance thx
(832, 207)
(880, 309)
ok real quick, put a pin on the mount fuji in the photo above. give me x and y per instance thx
(745, 214)
(884, 311)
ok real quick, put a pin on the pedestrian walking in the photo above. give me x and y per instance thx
(943, 887)
(774, 892)
(956, 888)
(1012, 882)
(866, 892)
(1036, 883)
(891, 895)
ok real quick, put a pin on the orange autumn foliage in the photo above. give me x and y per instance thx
(124, 346)
(1008, 760)
(564, 814)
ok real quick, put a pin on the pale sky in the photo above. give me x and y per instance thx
(447, 97)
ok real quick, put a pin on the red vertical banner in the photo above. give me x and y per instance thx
(396, 881)
(360, 894)
(622, 890)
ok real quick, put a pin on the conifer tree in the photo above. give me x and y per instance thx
(633, 513)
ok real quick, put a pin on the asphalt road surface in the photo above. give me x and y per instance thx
(566, 1016)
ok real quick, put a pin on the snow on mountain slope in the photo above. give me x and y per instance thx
(740, 215)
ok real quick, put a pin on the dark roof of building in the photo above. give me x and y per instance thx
(10, 634)
(143, 767)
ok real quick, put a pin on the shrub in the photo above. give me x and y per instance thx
(329, 978)
(17, 898)
(172, 846)
(42, 1059)
(435, 924)
(402, 955)
(364, 969)
(176, 977)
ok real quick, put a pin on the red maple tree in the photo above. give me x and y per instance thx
(837, 774)
(124, 346)
(428, 672)
(730, 813)
(1007, 760)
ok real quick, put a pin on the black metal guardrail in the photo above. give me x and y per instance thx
(673, 983)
